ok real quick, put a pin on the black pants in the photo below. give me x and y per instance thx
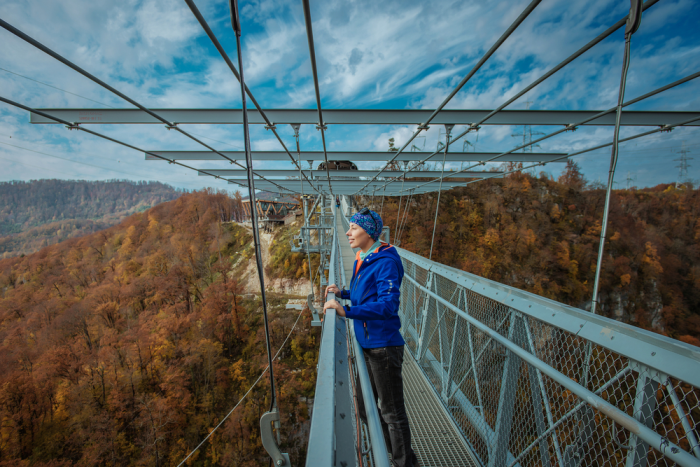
(384, 367)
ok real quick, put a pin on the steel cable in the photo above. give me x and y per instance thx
(312, 55)
(269, 124)
(569, 127)
(169, 125)
(578, 53)
(74, 126)
(424, 126)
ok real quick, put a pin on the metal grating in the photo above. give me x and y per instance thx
(435, 440)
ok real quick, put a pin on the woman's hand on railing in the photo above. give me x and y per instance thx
(335, 305)
(332, 288)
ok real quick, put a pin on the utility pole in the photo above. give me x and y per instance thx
(527, 133)
(683, 165)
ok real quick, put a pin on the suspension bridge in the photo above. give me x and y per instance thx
(494, 376)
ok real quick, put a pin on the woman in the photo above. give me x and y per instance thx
(374, 294)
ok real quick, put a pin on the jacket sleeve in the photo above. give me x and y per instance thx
(345, 294)
(387, 299)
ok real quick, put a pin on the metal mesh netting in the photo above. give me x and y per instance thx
(498, 400)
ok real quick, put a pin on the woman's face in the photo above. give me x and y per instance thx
(358, 238)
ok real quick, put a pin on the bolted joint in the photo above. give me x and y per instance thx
(321, 126)
(666, 128)
(271, 126)
(423, 126)
(474, 127)
(73, 126)
(571, 127)
(172, 126)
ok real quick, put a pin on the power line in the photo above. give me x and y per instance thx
(51, 86)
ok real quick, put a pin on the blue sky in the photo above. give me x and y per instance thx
(388, 54)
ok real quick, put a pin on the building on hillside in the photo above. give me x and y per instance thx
(272, 208)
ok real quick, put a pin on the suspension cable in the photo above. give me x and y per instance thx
(614, 154)
(76, 126)
(578, 53)
(169, 125)
(312, 56)
(251, 194)
(448, 130)
(424, 126)
(269, 125)
(405, 216)
(570, 127)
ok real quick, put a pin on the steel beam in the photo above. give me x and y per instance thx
(343, 175)
(365, 116)
(357, 156)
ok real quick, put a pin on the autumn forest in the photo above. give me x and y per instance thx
(129, 344)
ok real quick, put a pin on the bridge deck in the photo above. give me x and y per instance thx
(435, 440)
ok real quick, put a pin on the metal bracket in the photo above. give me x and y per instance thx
(73, 126)
(321, 126)
(423, 126)
(474, 127)
(271, 127)
(268, 438)
(316, 321)
(571, 127)
(171, 127)
(666, 128)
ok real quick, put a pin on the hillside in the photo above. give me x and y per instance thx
(127, 346)
(542, 235)
(38, 213)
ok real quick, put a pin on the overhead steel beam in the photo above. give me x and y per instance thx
(364, 116)
(357, 156)
(341, 174)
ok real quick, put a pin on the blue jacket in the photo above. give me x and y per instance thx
(374, 294)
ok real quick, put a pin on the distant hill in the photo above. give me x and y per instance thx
(541, 235)
(127, 346)
(38, 213)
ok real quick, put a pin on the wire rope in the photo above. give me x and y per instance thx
(269, 125)
(75, 126)
(578, 53)
(572, 127)
(245, 395)
(424, 126)
(448, 129)
(251, 194)
(405, 216)
(91, 77)
(312, 56)
(613, 165)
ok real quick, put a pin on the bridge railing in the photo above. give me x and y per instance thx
(532, 382)
(337, 437)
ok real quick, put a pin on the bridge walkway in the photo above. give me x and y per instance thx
(435, 439)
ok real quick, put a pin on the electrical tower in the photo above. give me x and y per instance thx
(415, 148)
(683, 165)
(527, 133)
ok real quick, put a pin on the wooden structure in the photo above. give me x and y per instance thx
(271, 207)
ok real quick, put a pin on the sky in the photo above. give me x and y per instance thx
(393, 54)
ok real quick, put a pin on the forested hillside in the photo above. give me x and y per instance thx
(38, 213)
(127, 346)
(542, 235)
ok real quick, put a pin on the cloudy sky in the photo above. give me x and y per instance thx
(392, 54)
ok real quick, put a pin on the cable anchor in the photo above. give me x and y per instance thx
(268, 438)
